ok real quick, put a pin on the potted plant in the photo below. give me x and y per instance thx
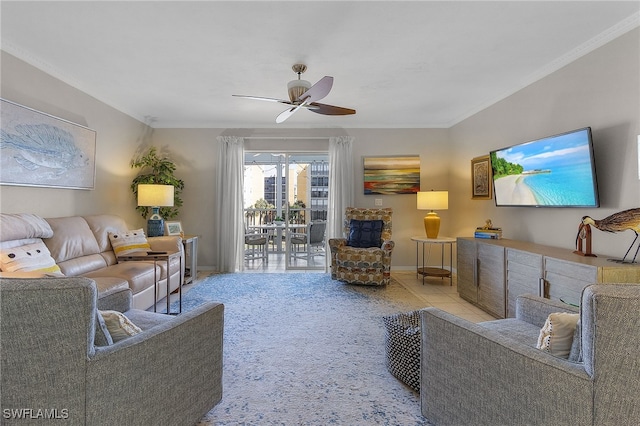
(278, 220)
(157, 170)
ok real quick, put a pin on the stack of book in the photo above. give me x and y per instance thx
(490, 233)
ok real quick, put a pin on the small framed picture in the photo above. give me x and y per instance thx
(172, 228)
(481, 176)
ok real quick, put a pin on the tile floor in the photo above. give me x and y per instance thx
(277, 263)
(436, 292)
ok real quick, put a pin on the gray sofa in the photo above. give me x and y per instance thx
(492, 374)
(169, 374)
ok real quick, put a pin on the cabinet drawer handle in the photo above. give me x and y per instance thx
(544, 288)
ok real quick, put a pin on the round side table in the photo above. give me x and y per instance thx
(427, 271)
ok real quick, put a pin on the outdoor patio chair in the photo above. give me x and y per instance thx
(309, 244)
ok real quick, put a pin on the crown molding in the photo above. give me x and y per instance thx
(47, 68)
(585, 48)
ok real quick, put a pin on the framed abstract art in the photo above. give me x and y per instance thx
(391, 175)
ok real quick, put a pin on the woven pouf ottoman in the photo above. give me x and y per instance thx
(402, 345)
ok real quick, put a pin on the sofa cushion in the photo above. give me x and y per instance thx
(102, 336)
(120, 327)
(365, 233)
(129, 242)
(139, 275)
(575, 354)
(518, 330)
(372, 257)
(19, 226)
(80, 266)
(556, 336)
(32, 258)
(71, 239)
(101, 225)
(145, 319)
(33, 274)
(106, 285)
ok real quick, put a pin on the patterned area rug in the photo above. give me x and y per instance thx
(301, 349)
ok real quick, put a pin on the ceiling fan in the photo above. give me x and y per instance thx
(303, 95)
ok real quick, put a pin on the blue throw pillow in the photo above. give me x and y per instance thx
(365, 233)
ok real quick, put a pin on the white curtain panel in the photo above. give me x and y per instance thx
(341, 181)
(228, 209)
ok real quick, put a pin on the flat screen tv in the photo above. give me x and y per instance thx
(556, 171)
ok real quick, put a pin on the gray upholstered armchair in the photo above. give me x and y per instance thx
(492, 374)
(168, 374)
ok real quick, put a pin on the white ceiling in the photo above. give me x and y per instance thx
(399, 64)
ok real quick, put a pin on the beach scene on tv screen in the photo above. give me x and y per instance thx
(556, 171)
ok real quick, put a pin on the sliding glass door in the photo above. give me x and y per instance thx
(286, 196)
(307, 247)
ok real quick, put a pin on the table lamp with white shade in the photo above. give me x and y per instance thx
(432, 200)
(155, 196)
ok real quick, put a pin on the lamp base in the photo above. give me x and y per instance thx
(432, 224)
(155, 227)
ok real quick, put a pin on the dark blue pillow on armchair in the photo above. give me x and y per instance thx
(365, 233)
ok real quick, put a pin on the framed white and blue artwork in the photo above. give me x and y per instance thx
(38, 149)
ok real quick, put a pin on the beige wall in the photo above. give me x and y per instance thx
(197, 159)
(118, 137)
(600, 90)
(194, 151)
(434, 149)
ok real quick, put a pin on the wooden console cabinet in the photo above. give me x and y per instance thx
(481, 275)
(492, 273)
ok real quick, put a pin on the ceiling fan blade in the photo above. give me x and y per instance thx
(330, 109)
(289, 112)
(260, 98)
(318, 90)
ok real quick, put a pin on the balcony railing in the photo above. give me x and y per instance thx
(294, 216)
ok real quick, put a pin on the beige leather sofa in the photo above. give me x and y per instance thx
(80, 246)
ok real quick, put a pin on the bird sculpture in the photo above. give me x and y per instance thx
(617, 222)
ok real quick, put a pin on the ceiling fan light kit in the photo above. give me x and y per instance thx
(297, 88)
(303, 95)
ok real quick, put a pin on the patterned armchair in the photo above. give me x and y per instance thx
(362, 265)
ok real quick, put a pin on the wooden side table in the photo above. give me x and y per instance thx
(190, 243)
(159, 257)
(426, 271)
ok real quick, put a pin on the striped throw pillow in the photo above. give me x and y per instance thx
(129, 242)
(32, 258)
